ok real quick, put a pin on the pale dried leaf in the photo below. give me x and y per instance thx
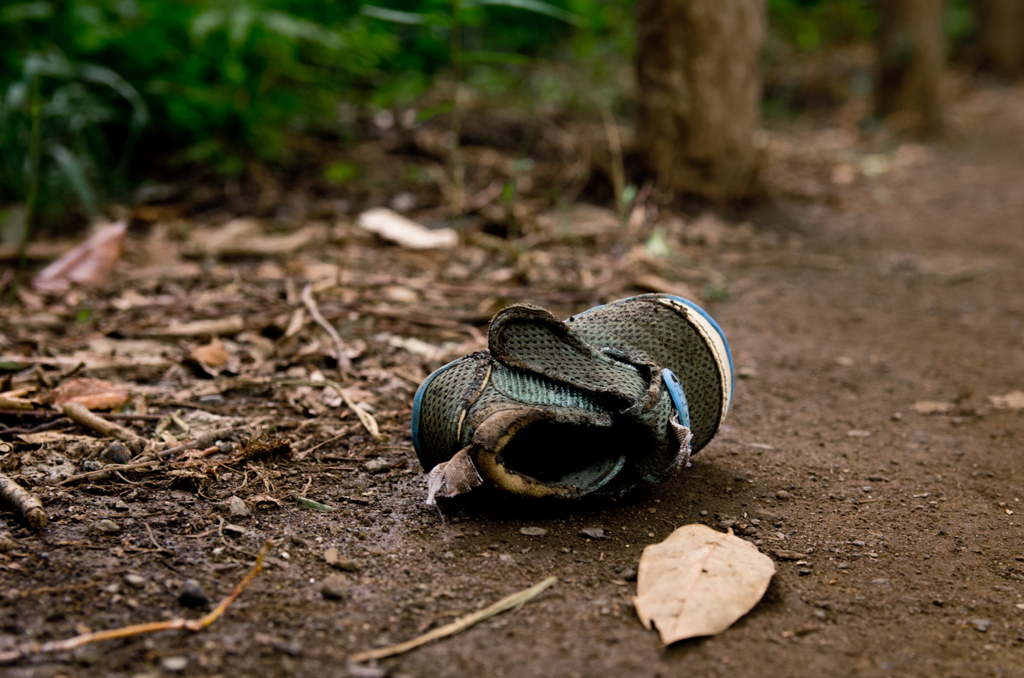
(213, 354)
(450, 478)
(698, 582)
(1011, 401)
(88, 264)
(932, 407)
(406, 232)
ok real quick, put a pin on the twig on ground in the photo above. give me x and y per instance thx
(30, 649)
(27, 504)
(314, 310)
(81, 414)
(515, 600)
(365, 418)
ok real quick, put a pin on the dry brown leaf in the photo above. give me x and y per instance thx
(932, 407)
(698, 582)
(1011, 401)
(88, 264)
(213, 354)
(95, 394)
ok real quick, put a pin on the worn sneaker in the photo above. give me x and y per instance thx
(615, 396)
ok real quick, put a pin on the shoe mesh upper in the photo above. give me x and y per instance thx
(655, 332)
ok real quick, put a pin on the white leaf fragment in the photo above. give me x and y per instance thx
(406, 232)
(698, 582)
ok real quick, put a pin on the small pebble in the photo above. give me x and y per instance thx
(377, 465)
(866, 488)
(879, 582)
(593, 533)
(782, 494)
(843, 566)
(533, 531)
(192, 595)
(981, 625)
(859, 543)
(105, 526)
(703, 513)
(212, 399)
(116, 454)
(238, 508)
(225, 447)
(726, 524)
(334, 587)
(506, 559)
(92, 465)
(340, 562)
(174, 663)
(629, 575)
(136, 581)
(119, 505)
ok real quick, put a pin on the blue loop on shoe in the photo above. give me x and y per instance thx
(675, 391)
(417, 401)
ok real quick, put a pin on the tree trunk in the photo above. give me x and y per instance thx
(911, 55)
(1002, 36)
(699, 93)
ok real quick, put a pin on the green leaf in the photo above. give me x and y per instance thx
(340, 172)
(398, 17)
(433, 111)
(485, 57)
(11, 365)
(315, 505)
(25, 10)
(74, 171)
(538, 7)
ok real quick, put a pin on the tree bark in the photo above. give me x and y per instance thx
(911, 55)
(699, 93)
(1002, 36)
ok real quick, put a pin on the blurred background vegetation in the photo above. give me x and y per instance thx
(118, 92)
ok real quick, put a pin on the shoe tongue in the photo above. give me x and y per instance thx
(530, 338)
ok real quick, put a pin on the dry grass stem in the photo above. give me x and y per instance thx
(69, 644)
(314, 310)
(515, 600)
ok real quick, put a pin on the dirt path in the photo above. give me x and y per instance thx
(908, 288)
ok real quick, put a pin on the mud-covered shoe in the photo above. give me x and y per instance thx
(595, 404)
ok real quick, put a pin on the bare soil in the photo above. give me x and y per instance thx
(877, 282)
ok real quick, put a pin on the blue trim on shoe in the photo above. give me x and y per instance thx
(675, 391)
(689, 304)
(718, 328)
(417, 401)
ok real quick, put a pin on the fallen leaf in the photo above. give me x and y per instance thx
(406, 232)
(213, 354)
(89, 264)
(1011, 401)
(698, 582)
(932, 407)
(95, 394)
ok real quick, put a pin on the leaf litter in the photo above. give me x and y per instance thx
(698, 582)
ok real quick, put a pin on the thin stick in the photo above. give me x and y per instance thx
(28, 504)
(138, 629)
(81, 414)
(515, 600)
(314, 310)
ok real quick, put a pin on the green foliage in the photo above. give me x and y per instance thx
(218, 81)
(809, 24)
